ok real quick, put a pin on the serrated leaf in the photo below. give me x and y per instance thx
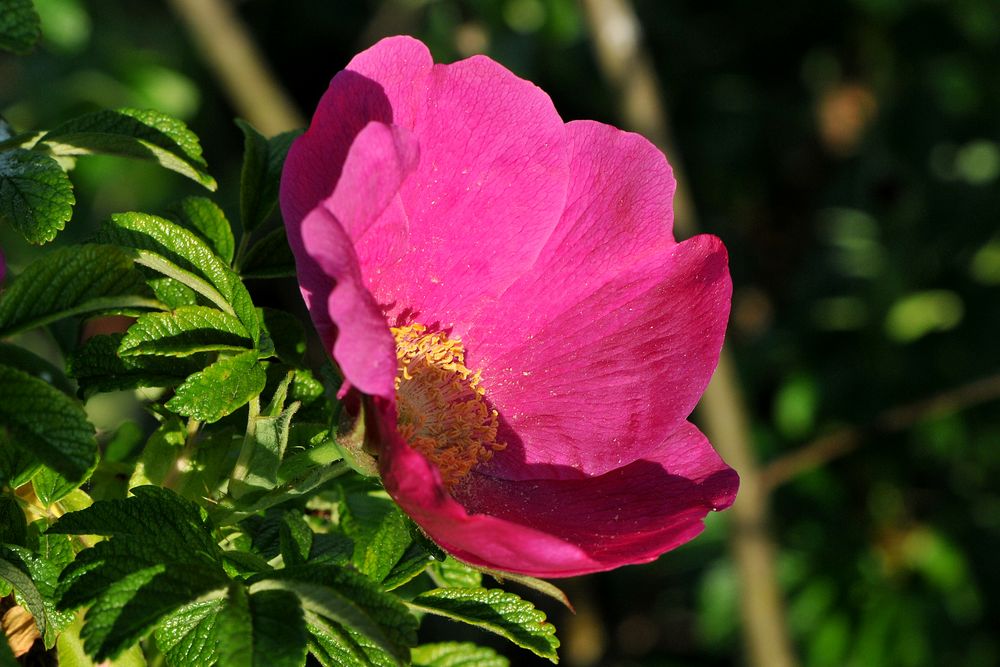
(380, 530)
(187, 637)
(160, 556)
(134, 133)
(349, 599)
(47, 423)
(263, 629)
(495, 610)
(173, 293)
(257, 469)
(220, 389)
(203, 217)
(333, 646)
(270, 257)
(44, 569)
(96, 366)
(36, 196)
(70, 281)
(181, 254)
(20, 27)
(259, 178)
(457, 654)
(132, 605)
(51, 486)
(183, 332)
(296, 538)
(414, 560)
(15, 572)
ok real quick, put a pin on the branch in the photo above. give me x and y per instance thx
(626, 65)
(231, 54)
(834, 445)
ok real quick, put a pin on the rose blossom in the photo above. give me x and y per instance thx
(507, 290)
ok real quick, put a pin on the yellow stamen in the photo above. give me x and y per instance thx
(442, 412)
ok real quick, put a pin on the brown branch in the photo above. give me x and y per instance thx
(626, 65)
(231, 54)
(834, 445)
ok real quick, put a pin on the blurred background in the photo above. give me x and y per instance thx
(847, 151)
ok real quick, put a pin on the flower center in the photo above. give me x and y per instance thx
(442, 413)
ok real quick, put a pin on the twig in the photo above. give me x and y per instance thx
(834, 445)
(231, 54)
(626, 65)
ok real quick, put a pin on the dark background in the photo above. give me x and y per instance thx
(846, 151)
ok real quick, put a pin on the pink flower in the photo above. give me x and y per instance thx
(507, 288)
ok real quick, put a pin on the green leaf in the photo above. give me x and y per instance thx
(220, 389)
(160, 555)
(334, 646)
(36, 196)
(134, 133)
(181, 254)
(349, 599)
(257, 468)
(183, 332)
(19, 26)
(44, 569)
(414, 560)
(203, 217)
(70, 281)
(380, 530)
(47, 423)
(51, 486)
(14, 571)
(259, 179)
(187, 637)
(270, 257)
(451, 573)
(495, 610)
(96, 366)
(263, 629)
(457, 654)
(296, 538)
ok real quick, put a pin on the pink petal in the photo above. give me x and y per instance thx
(562, 528)
(349, 321)
(606, 376)
(489, 190)
(356, 96)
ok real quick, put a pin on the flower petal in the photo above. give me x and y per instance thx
(475, 538)
(489, 190)
(562, 528)
(628, 515)
(349, 321)
(619, 369)
(372, 88)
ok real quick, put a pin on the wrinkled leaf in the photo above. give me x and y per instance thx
(36, 196)
(134, 133)
(220, 389)
(70, 281)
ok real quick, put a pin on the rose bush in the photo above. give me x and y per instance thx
(507, 290)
